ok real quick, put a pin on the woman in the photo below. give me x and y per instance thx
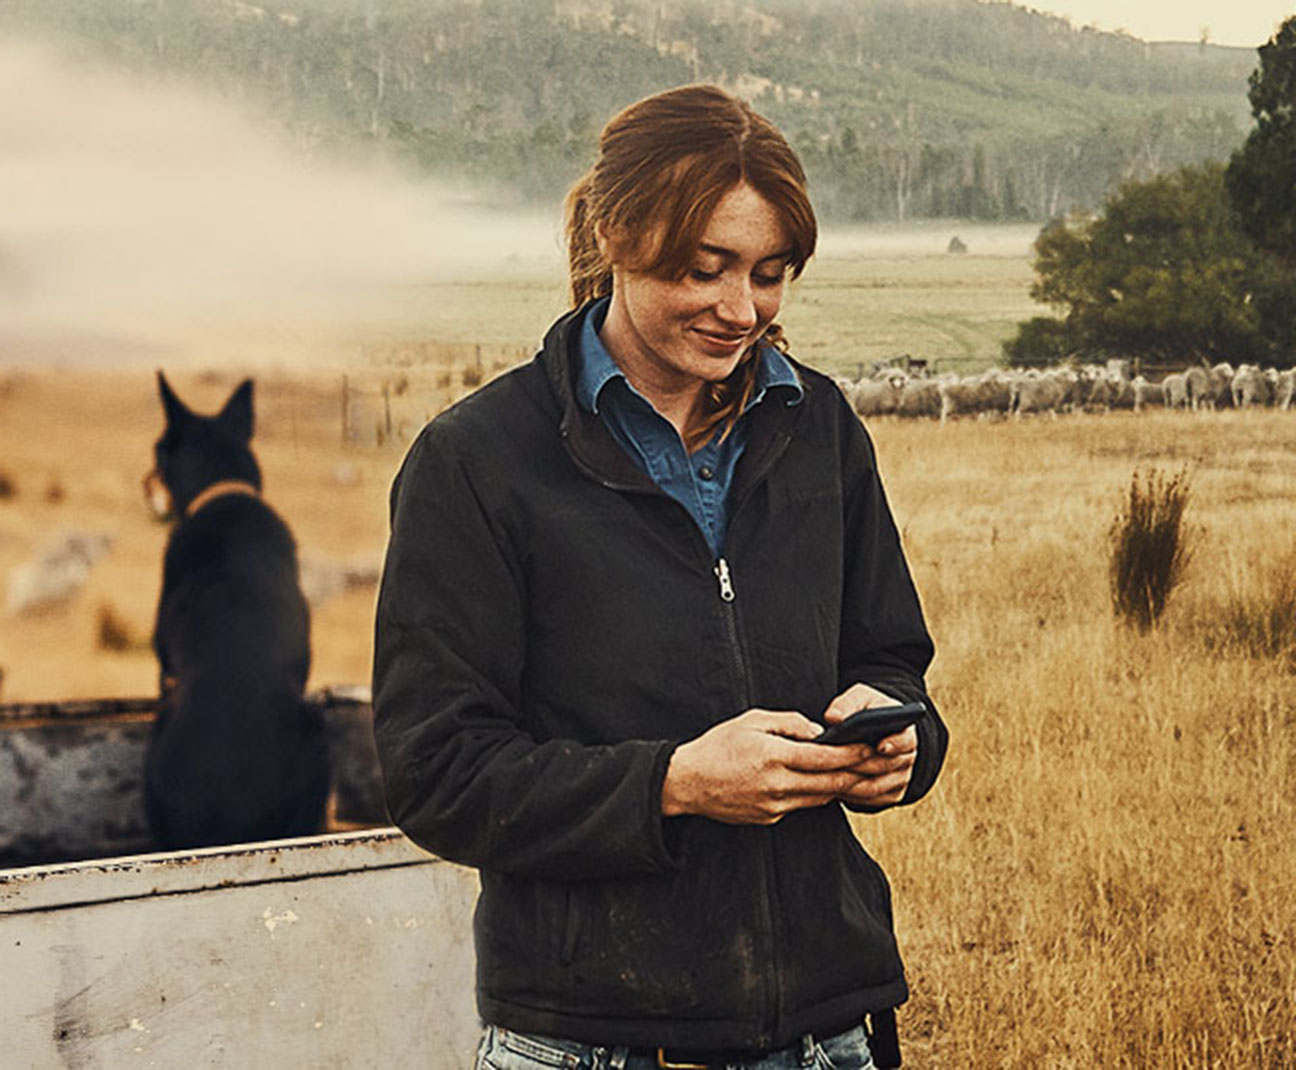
(627, 585)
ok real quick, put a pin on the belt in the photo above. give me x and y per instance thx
(880, 1027)
(688, 1059)
(682, 1059)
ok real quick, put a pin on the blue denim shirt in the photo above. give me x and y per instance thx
(699, 481)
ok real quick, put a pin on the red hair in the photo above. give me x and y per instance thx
(664, 164)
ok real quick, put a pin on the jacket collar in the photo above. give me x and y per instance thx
(598, 454)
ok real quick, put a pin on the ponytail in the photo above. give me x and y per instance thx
(589, 276)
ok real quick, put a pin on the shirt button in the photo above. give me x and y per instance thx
(706, 472)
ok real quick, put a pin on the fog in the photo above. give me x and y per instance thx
(145, 221)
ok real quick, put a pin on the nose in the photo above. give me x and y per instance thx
(736, 306)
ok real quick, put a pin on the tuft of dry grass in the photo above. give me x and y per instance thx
(114, 632)
(1149, 547)
(1253, 611)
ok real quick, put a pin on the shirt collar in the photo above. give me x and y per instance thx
(597, 368)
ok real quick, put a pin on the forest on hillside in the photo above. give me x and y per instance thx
(901, 109)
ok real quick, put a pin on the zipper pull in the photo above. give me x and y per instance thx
(726, 584)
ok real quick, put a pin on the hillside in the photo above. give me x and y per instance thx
(921, 108)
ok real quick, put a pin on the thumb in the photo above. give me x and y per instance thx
(855, 698)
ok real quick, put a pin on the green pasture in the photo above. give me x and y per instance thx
(858, 304)
(870, 294)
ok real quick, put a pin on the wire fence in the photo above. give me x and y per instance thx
(402, 385)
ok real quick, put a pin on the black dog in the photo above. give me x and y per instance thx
(236, 755)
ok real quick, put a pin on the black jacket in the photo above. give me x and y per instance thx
(551, 625)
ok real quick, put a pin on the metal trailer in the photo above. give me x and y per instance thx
(350, 949)
(72, 775)
(341, 951)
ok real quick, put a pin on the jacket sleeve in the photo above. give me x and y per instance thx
(464, 777)
(884, 639)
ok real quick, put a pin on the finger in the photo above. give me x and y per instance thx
(786, 723)
(785, 783)
(905, 742)
(849, 701)
(884, 765)
(875, 790)
(826, 758)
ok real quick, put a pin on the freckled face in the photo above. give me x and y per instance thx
(674, 336)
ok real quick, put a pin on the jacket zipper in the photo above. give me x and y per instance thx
(738, 662)
(728, 597)
(729, 614)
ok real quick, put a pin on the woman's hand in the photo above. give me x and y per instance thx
(756, 767)
(882, 776)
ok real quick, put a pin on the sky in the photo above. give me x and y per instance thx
(1231, 22)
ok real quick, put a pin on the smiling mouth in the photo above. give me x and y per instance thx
(726, 342)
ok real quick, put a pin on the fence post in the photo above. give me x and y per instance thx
(346, 400)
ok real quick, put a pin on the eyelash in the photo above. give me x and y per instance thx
(760, 280)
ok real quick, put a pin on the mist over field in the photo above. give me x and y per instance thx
(145, 222)
(141, 220)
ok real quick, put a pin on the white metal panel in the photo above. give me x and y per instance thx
(329, 952)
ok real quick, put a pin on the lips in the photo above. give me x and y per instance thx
(721, 344)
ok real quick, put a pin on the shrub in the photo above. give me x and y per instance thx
(1149, 547)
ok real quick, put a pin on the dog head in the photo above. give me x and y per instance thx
(196, 452)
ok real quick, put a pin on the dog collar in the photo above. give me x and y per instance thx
(220, 490)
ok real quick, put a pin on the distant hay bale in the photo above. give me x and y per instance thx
(1149, 547)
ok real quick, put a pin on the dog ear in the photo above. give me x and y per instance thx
(236, 416)
(177, 412)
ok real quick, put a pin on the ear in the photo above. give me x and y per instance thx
(603, 242)
(236, 416)
(176, 410)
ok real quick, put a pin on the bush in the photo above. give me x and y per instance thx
(1149, 547)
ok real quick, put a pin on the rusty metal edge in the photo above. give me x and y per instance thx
(77, 884)
(135, 708)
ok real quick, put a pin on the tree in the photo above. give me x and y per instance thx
(1262, 174)
(1162, 271)
(1040, 341)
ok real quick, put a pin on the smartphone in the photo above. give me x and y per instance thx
(873, 725)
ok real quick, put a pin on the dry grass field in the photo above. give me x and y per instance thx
(1103, 875)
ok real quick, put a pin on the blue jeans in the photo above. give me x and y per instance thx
(502, 1049)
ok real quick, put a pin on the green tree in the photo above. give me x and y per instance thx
(1262, 174)
(1040, 341)
(1162, 271)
